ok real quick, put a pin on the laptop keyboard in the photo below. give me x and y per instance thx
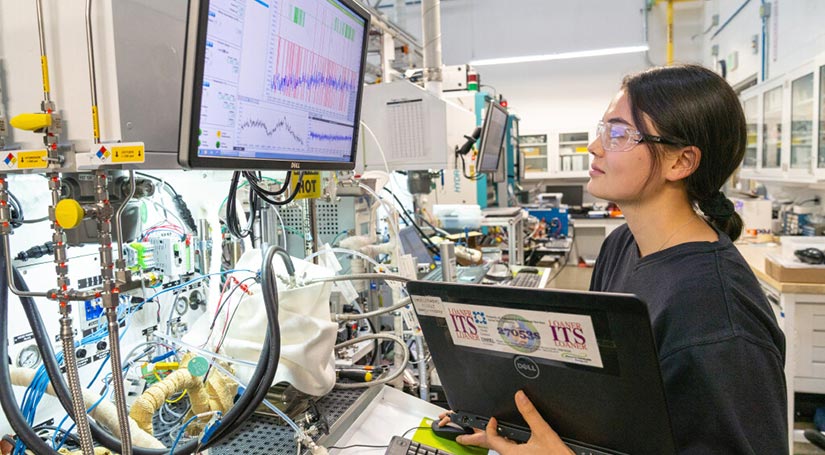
(526, 280)
(470, 274)
(404, 446)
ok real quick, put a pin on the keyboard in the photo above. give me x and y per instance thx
(404, 446)
(468, 275)
(526, 280)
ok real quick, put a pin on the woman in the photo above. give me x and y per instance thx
(668, 142)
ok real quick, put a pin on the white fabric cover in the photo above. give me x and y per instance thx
(307, 332)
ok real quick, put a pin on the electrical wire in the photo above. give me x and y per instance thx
(264, 374)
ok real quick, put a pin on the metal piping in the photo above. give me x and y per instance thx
(669, 60)
(92, 76)
(645, 29)
(431, 34)
(121, 264)
(110, 297)
(44, 61)
(66, 330)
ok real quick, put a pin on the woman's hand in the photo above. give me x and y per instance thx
(543, 439)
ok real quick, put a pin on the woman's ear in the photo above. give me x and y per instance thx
(684, 162)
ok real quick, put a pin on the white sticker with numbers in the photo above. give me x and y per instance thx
(562, 337)
(429, 306)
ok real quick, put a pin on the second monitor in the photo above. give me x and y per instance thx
(493, 131)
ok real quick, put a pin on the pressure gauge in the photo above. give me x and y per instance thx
(29, 357)
(181, 305)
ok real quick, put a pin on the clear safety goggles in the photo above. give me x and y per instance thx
(618, 137)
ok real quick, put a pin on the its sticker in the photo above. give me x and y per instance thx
(562, 337)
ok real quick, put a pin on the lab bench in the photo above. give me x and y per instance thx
(800, 310)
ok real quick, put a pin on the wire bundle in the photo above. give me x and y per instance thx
(257, 193)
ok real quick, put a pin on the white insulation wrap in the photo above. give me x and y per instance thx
(307, 332)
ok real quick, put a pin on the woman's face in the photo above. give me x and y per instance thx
(619, 176)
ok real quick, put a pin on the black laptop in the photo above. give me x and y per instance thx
(586, 360)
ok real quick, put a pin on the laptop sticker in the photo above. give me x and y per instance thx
(563, 337)
(429, 306)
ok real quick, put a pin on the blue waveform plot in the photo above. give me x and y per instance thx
(330, 137)
(287, 82)
(282, 124)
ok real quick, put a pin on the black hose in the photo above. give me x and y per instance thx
(7, 399)
(232, 210)
(263, 376)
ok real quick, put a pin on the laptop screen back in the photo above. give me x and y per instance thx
(412, 244)
(587, 361)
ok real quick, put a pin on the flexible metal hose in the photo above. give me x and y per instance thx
(79, 406)
(117, 381)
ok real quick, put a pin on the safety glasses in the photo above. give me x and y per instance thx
(618, 137)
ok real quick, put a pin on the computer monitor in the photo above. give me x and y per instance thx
(571, 195)
(492, 138)
(271, 84)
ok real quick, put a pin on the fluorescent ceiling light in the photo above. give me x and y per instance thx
(561, 56)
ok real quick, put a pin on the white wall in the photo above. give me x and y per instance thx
(556, 95)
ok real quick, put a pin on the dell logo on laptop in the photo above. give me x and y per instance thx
(526, 367)
(295, 165)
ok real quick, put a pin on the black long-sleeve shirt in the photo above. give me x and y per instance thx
(721, 351)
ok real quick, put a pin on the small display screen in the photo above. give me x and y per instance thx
(492, 137)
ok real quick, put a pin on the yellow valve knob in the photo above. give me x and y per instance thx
(31, 122)
(69, 213)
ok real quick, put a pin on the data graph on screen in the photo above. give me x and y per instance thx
(303, 75)
(293, 71)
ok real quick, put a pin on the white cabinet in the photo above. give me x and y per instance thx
(557, 155)
(533, 148)
(785, 129)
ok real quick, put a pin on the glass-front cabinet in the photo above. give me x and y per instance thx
(772, 128)
(820, 162)
(785, 120)
(751, 108)
(533, 149)
(802, 121)
(573, 155)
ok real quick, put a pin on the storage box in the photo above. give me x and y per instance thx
(795, 243)
(756, 215)
(794, 272)
(458, 217)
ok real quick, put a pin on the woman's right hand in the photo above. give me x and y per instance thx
(543, 439)
(478, 438)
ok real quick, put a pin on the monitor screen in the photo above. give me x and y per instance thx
(271, 84)
(492, 138)
(572, 195)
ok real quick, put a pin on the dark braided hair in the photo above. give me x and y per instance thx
(692, 105)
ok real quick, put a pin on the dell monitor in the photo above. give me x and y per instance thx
(493, 131)
(271, 84)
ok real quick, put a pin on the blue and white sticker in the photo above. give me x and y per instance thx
(563, 337)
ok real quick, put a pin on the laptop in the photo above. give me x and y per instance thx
(412, 244)
(587, 361)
